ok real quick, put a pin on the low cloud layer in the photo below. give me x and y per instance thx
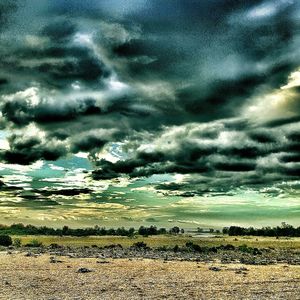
(223, 154)
(208, 89)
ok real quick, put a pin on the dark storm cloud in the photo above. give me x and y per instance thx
(237, 166)
(291, 157)
(90, 141)
(209, 63)
(218, 43)
(263, 136)
(63, 192)
(294, 136)
(3, 81)
(60, 31)
(58, 63)
(226, 159)
(219, 37)
(156, 77)
(25, 150)
(21, 112)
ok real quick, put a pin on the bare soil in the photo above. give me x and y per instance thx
(41, 277)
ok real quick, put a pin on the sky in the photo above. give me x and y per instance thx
(135, 112)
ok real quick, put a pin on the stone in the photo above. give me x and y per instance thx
(84, 270)
(216, 269)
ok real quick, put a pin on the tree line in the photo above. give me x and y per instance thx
(21, 229)
(283, 230)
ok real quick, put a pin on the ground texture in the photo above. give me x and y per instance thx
(45, 277)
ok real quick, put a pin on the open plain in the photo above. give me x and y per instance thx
(37, 278)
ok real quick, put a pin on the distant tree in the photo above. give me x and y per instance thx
(152, 230)
(65, 230)
(225, 230)
(174, 230)
(162, 231)
(111, 231)
(142, 231)
(131, 231)
(145, 231)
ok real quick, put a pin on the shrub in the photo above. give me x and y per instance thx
(195, 247)
(140, 245)
(113, 246)
(5, 240)
(227, 247)
(246, 249)
(213, 249)
(176, 248)
(55, 246)
(162, 248)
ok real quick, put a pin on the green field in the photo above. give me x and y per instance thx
(165, 240)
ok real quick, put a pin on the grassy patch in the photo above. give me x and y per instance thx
(164, 240)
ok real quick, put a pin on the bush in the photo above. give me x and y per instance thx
(176, 248)
(55, 246)
(162, 248)
(140, 245)
(227, 247)
(195, 247)
(113, 246)
(213, 249)
(246, 249)
(5, 240)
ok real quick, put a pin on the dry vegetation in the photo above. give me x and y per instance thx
(37, 278)
(166, 240)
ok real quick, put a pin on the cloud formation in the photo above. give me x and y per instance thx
(221, 151)
(209, 89)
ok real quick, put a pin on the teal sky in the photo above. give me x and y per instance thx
(125, 202)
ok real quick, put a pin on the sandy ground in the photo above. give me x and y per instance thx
(36, 278)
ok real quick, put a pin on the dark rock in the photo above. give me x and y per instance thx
(84, 270)
(216, 269)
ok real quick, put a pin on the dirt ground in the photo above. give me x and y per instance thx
(36, 278)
